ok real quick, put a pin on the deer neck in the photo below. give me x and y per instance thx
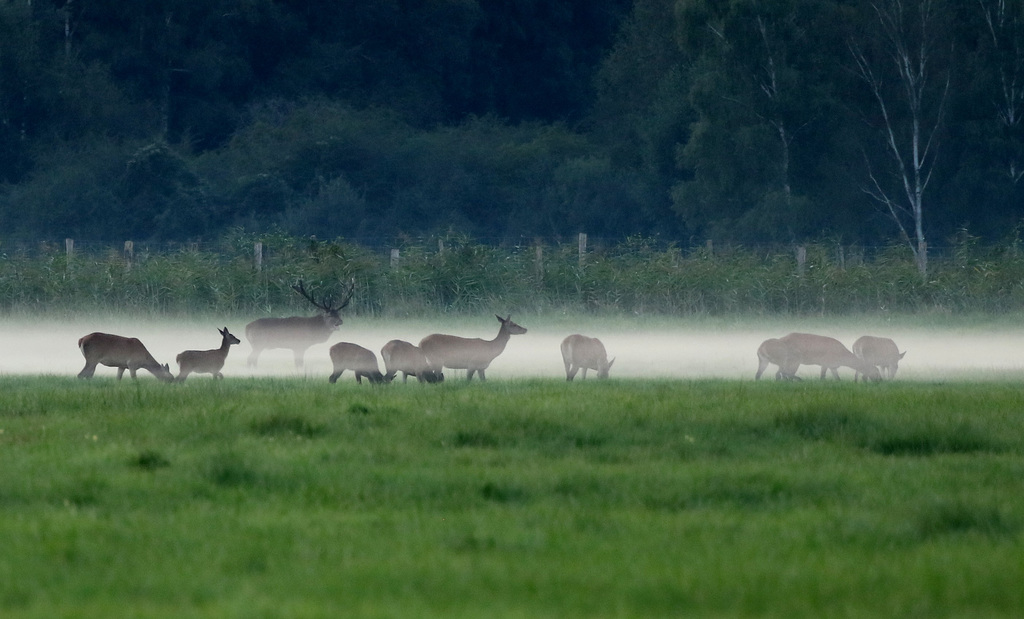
(500, 340)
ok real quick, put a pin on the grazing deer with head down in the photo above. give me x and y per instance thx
(880, 352)
(580, 352)
(123, 353)
(348, 356)
(297, 333)
(470, 354)
(206, 361)
(401, 356)
(791, 351)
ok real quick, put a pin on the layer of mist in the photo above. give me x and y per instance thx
(663, 351)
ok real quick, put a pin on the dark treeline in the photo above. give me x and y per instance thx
(744, 121)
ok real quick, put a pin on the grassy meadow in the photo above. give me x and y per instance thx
(529, 497)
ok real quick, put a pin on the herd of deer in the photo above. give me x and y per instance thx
(791, 351)
(439, 351)
(426, 361)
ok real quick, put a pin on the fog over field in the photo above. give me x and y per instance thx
(662, 348)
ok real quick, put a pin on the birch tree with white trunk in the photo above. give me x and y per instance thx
(1004, 21)
(901, 64)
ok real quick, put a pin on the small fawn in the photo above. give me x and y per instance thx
(206, 361)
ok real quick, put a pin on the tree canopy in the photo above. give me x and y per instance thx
(743, 121)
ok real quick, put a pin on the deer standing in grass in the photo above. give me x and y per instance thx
(123, 353)
(401, 356)
(791, 351)
(470, 354)
(580, 352)
(206, 361)
(880, 352)
(296, 333)
(348, 356)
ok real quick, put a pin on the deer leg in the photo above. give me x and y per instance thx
(480, 373)
(334, 377)
(570, 372)
(359, 378)
(88, 370)
(762, 365)
(583, 369)
(120, 372)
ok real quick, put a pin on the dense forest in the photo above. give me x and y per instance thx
(744, 121)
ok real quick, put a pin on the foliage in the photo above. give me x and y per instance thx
(740, 121)
(454, 274)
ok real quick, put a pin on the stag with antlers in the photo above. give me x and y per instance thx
(296, 333)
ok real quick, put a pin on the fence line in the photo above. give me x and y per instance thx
(134, 251)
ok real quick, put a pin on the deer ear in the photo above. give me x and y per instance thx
(500, 319)
(611, 362)
(902, 353)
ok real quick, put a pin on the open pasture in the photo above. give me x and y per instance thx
(521, 497)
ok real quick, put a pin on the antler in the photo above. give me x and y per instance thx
(326, 306)
(348, 295)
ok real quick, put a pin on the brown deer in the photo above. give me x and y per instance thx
(470, 354)
(880, 352)
(348, 356)
(580, 352)
(206, 361)
(791, 351)
(123, 353)
(401, 356)
(297, 333)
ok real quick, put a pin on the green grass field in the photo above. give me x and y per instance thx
(517, 498)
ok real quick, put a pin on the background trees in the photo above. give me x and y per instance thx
(739, 120)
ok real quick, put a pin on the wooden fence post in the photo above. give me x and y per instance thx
(583, 248)
(801, 260)
(69, 248)
(710, 245)
(440, 246)
(395, 254)
(257, 252)
(129, 254)
(539, 261)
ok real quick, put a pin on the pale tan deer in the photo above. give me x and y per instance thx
(773, 351)
(296, 333)
(401, 356)
(881, 352)
(580, 352)
(206, 361)
(362, 361)
(791, 351)
(123, 353)
(470, 354)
